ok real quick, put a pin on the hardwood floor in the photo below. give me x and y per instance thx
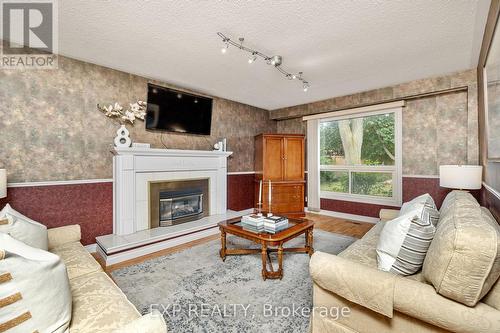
(327, 223)
(340, 226)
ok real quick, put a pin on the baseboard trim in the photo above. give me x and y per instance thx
(91, 248)
(346, 216)
(492, 190)
(61, 182)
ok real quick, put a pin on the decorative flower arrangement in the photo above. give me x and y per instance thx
(137, 111)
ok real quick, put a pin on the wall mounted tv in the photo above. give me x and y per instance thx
(176, 111)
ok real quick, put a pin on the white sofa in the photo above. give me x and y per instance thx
(383, 302)
(99, 306)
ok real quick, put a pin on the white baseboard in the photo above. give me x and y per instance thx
(360, 218)
(91, 248)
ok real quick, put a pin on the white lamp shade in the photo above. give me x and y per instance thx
(464, 177)
(3, 183)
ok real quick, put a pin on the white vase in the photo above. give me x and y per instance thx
(122, 138)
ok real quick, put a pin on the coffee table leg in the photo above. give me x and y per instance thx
(309, 242)
(280, 260)
(264, 261)
(223, 245)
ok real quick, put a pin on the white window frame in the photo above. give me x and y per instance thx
(314, 167)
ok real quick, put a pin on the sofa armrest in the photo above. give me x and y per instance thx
(63, 235)
(152, 322)
(361, 284)
(421, 301)
(388, 214)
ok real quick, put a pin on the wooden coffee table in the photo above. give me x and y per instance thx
(268, 242)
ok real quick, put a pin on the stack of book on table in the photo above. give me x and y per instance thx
(253, 223)
(274, 224)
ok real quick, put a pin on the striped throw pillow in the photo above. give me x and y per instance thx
(411, 255)
(404, 241)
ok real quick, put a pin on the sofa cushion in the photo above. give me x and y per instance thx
(98, 305)
(77, 259)
(363, 250)
(23, 228)
(35, 293)
(464, 198)
(463, 261)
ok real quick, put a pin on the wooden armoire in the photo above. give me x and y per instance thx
(280, 158)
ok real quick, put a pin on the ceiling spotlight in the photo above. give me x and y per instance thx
(252, 58)
(224, 49)
(305, 86)
(276, 60)
(294, 76)
(289, 77)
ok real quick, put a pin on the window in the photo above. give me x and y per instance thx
(360, 156)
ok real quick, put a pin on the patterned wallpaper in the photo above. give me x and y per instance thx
(51, 129)
(439, 126)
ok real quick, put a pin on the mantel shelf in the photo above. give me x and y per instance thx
(169, 152)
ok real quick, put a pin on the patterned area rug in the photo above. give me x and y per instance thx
(197, 292)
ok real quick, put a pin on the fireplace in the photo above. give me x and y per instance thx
(176, 202)
(177, 206)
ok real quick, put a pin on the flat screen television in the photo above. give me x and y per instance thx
(177, 111)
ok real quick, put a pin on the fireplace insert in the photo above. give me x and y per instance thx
(180, 206)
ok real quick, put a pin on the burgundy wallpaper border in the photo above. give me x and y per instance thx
(89, 205)
(412, 187)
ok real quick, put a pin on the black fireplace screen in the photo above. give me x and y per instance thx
(177, 206)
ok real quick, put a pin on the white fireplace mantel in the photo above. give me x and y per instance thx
(134, 168)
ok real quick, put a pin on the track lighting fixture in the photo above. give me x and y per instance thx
(252, 58)
(226, 47)
(275, 60)
(305, 87)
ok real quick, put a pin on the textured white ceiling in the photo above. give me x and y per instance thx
(342, 46)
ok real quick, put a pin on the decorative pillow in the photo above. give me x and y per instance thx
(35, 294)
(23, 228)
(404, 241)
(463, 261)
(425, 200)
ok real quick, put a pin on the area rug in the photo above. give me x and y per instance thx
(197, 292)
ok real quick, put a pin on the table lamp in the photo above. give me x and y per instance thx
(463, 177)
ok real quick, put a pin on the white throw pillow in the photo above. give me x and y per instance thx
(23, 228)
(404, 241)
(35, 287)
(424, 200)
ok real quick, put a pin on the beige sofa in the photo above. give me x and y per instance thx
(98, 304)
(382, 302)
